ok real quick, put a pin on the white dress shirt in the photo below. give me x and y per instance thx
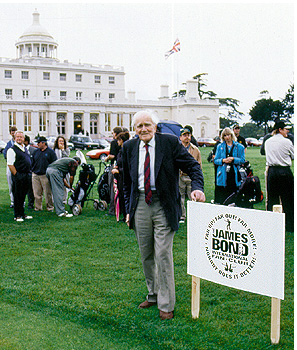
(142, 153)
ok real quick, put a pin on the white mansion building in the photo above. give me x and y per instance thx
(41, 95)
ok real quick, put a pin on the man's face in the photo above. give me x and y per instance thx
(12, 133)
(19, 138)
(41, 145)
(284, 132)
(185, 139)
(236, 130)
(145, 128)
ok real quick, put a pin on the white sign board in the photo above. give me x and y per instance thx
(239, 248)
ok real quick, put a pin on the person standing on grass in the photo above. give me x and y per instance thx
(9, 144)
(56, 172)
(62, 151)
(114, 151)
(41, 159)
(30, 194)
(184, 179)
(151, 164)
(240, 139)
(19, 163)
(279, 152)
(229, 156)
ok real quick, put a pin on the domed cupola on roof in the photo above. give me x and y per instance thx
(36, 42)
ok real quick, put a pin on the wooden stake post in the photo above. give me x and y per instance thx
(195, 296)
(275, 303)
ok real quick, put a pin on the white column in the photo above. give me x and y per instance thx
(101, 124)
(51, 124)
(35, 123)
(4, 127)
(86, 122)
(20, 120)
(69, 124)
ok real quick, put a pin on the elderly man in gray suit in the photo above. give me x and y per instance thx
(151, 177)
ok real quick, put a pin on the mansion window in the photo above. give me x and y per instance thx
(42, 121)
(93, 124)
(25, 75)
(61, 119)
(8, 74)
(107, 122)
(63, 76)
(78, 77)
(111, 80)
(46, 76)
(27, 121)
(111, 96)
(46, 94)
(8, 94)
(78, 95)
(97, 96)
(63, 95)
(12, 118)
(25, 93)
(97, 79)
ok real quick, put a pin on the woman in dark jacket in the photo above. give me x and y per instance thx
(118, 170)
(229, 156)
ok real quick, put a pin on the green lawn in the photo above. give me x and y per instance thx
(76, 284)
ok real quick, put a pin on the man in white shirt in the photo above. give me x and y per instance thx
(9, 144)
(19, 164)
(279, 152)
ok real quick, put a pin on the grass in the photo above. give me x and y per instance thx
(76, 284)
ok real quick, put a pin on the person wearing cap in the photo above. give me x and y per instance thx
(41, 159)
(267, 136)
(19, 164)
(56, 173)
(193, 140)
(280, 180)
(240, 139)
(184, 179)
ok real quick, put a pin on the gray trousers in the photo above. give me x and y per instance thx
(57, 184)
(155, 240)
(184, 189)
(41, 185)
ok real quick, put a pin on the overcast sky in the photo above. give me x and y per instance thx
(245, 48)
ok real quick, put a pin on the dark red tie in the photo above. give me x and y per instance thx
(147, 177)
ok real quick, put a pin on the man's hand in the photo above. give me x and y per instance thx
(198, 196)
(127, 219)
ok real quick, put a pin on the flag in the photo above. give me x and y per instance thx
(175, 48)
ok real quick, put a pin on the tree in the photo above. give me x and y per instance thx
(251, 130)
(288, 102)
(225, 123)
(265, 111)
(228, 105)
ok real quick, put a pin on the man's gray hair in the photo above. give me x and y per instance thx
(148, 113)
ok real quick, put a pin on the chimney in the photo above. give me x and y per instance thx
(164, 92)
(131, 96)
(192, 89)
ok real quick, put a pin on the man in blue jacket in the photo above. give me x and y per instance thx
(151, 164)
